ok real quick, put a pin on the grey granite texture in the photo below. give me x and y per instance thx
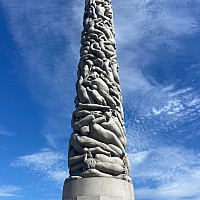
(98, 188)
(98, 142)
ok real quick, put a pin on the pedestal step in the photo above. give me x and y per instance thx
(98, 188)
(97, 198)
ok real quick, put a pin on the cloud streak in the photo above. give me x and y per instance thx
(162, 115)
(5, 132)
(174, 172)
(52, 164)
(51, 56)
(149, 32)
(181, 188)
(9, 191)
(46, 35)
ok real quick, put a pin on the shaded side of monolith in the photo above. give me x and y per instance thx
(98, 164)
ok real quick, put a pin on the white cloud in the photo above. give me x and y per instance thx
(163, 164)
(52, 164)
(132, 78)
(59, 175)
(182, 187)
(161, 21)
(51, 56)
(51, 140)
(143, 28)
(50, 70)
(5, 132)
(175, 172)
(9, 191)
(138, 157)
(179, 102)
(161, 115)
(47, 35)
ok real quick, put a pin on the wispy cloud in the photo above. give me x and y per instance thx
(161, 115)
(52, 164)
(148, 31)
(155, 22)
(174, 172)
(5, 132)
(9, 191)
(182, 187)
(180, 103)
(50, 57)
(163, 164)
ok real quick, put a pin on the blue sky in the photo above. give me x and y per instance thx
(159, 57)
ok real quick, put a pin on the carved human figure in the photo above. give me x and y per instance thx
(98, 142)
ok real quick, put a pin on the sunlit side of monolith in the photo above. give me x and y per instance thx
(98, 164)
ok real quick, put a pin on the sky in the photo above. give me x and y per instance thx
(159, 58)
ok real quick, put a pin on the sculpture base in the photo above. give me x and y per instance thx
(98, 188)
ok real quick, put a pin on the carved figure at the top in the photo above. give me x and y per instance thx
(97, 145)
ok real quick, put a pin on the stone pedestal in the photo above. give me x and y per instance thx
(98, 188)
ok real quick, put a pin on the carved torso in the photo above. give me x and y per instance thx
(97, 145)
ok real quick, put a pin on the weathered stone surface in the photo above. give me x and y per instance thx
(98, 188)
(98, 198)
(98, 164)
(97, 145)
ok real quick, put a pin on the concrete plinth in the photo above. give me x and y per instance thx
(98, 188)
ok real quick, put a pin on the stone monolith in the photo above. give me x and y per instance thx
(98, 164)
